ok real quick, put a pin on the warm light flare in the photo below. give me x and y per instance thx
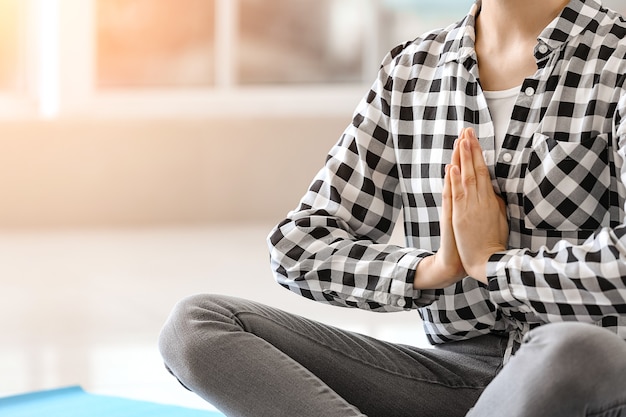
(9, 40)
(48, 83)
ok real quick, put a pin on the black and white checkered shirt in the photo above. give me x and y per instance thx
(560, 170)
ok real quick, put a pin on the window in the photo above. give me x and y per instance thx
(403, 20)
(10, 16)
(155, 43)
(17, 60)
(203, 57)
(300, 41)
(238, 43)
(213, 57)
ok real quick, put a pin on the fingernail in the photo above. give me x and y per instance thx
(466, 145)
(472, 133)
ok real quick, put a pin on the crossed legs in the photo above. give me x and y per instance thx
(249, 359)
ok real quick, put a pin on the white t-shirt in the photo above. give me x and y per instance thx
(501, 105)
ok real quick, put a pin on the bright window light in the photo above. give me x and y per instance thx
(48, 23)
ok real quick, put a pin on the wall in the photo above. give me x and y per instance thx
(103, 173)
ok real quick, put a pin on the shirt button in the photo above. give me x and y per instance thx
(401, 302)
(529, 91)
(507, 157)
(543, 49)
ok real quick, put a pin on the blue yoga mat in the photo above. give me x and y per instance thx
(75, 402)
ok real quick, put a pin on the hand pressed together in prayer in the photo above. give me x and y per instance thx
(473, 221)
(478, 215)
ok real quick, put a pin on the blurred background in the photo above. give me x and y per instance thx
(147, 147)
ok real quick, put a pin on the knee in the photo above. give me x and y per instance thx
(177, 334)
(574, 342)
(190, 328)
(578, 358)
(561, 369)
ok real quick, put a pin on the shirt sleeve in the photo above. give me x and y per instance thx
(334, 247)
(568, 282)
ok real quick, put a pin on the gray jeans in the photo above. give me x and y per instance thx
(248, 359)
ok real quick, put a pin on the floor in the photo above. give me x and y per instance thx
(85, 307)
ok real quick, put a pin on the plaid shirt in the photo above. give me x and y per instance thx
(560, 170)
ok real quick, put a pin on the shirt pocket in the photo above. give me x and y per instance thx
(567, 184)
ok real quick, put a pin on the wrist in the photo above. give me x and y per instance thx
(422, 272)
(478, 269)
(479, 272)
(433, 273)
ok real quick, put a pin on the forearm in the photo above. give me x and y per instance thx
(567, 282)
(341, 270)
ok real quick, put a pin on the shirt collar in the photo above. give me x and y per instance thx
(461, 40)
(577, 16)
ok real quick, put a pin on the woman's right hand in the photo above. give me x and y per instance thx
(444, 268)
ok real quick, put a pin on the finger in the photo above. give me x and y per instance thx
(468, 175)
(456, 186)
(445, 223)
(456, 156)
(446, 206)
(456, 191)
(483, 179)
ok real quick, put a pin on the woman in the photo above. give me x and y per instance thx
(502, 140)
